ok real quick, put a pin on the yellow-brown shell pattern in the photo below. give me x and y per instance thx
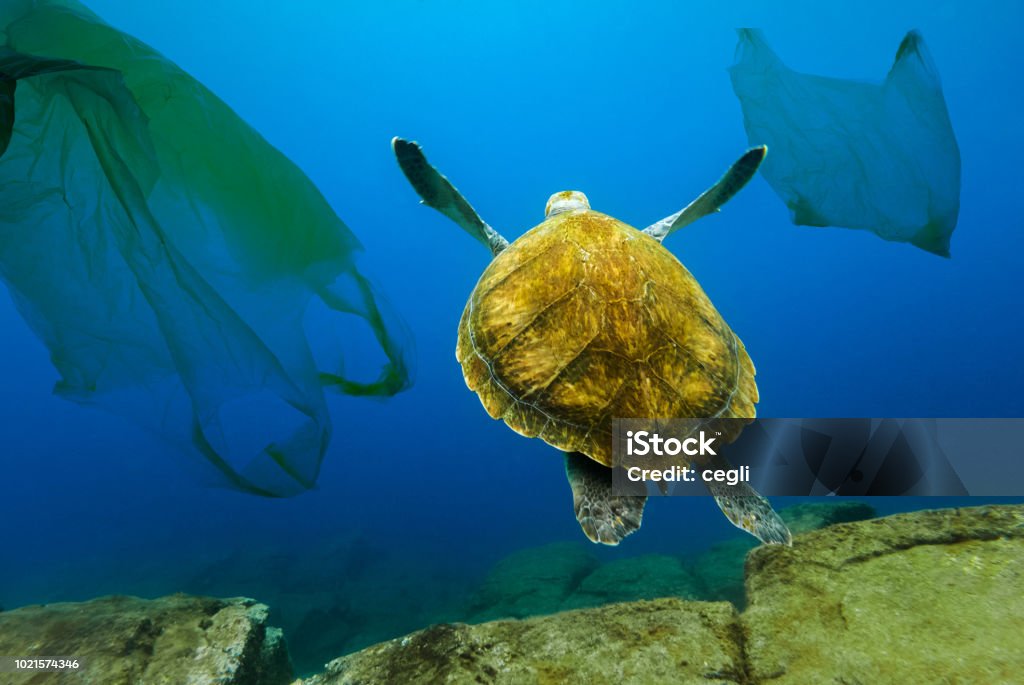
(585, 319)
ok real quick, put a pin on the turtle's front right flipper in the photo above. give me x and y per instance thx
(712, 199)
(605, 517)
(437, 191)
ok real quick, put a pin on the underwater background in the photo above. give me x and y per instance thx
(632, 105)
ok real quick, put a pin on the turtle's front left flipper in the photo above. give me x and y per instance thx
(714, 197)
(604, 517)
(437, 192)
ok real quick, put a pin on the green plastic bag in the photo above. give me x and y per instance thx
(166, 254)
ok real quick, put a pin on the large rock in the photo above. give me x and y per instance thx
(803, 518)
(932, 596)
(720, 569)
(340, 598)
(650, 576)
(126, 641)
(531, 582)
(663, 641)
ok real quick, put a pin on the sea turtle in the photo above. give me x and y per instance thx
(584, 319)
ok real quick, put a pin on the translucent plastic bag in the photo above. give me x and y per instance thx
(878, 157)
(166, 254)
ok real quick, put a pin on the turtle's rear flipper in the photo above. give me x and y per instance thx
(748, 510)
(604, 517)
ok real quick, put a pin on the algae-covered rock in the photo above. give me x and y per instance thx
(126, 640)
(531, 582)
(802, 518)
(720, 569)
(336, 599)
(664, 641)
(645, 577)
(931, 596)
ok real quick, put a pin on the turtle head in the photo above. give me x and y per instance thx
(565, 201)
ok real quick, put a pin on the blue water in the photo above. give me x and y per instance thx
(634, 107)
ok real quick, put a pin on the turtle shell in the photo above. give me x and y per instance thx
(585, 319)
